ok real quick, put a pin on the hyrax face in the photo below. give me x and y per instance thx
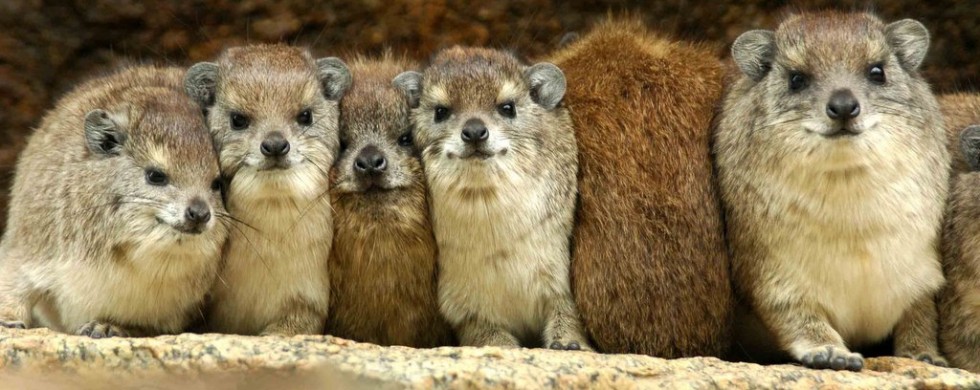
(378, 155)
(166, 182)
(272, 110)
(834, 81)
(480, 110)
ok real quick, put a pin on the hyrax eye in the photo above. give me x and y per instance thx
(305, 118)
(239, 121)
(405, 139)
(798, 81)
(216, 185)
(343, 144)
(876, 74)
(156, 177)
(507, 109)
(442, 113)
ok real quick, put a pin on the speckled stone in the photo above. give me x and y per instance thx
(36, 358)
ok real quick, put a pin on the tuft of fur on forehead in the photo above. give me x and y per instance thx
(825, 39)
(267, 76)
(372, 99)
(472, 74)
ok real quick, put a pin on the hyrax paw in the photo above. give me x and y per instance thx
(935, 360)
(98, 330)
(570, 345)
(13, 324)
(832, 357)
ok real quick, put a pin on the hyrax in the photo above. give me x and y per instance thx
(650, 270)
(500, 158)
(960, 111)
(272, 110)
(113, 226)
(383, 262)
(832, 163)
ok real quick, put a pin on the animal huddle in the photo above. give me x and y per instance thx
(582, 202)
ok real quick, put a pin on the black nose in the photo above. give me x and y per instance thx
(198, 212)
(843, 105)
(370, 161)
(275, 145)
(475, 131)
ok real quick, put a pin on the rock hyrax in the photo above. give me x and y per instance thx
(112, 228)
(832, 163)
(383, 263)
(649, 225)
(961, 110)
(499, 154)
(273, 113)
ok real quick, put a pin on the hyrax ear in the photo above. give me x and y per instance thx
(335, 77)
(410, 83)
(753, 52)
(970, 146)
(910, 41)
(201, 83)
(547, 84)
(103, 134)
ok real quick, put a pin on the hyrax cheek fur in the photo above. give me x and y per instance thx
(272, 110)
(383, 261)
(832, 162)
(499, 154)
(114, 219)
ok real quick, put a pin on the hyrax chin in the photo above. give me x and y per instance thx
(832, 161)
(272, 111)
(383, 262)
(112, 228)
(500, 158)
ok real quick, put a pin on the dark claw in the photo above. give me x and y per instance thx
(855, 363)
(839, 363)
(573, 346)
(936, 361)
(13, 324)
(556, 345)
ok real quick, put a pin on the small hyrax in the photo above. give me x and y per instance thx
(832, 163)
(272, 110)
(383, 262)
(499, 154)
(113, 217)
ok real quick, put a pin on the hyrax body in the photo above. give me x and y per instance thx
(832, 163)
(959, 301)
(499, 154)
(113, 220)
(272, 110)
(383, 261)
(650, 271)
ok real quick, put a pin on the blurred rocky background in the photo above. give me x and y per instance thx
(46, 47)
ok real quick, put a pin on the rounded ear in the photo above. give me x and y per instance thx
(547, 84)
(970, 146)
(910, 41)
(754, 52)
(410, 83)
(335, 77)
(103, 135)
(201, 83)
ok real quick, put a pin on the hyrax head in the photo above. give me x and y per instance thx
(272, 110)
(377, 153)
(164, 179)
(481, 107)
(833, 76)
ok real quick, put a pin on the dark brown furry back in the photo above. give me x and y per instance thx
(650, 270)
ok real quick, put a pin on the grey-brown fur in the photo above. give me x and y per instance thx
(834, 223)
(92, 246)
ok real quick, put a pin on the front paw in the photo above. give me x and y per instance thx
(569, 345)
(933, 359)
(832, 357)
(99, 330)
(13, 324)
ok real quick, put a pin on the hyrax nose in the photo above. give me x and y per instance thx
(843, 105)
(370, 161)
(198, 212)
(475, 131)
(275, 145)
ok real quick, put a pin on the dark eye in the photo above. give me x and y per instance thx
(343, 144)
(305, 118)
(216, 185)
(405, 139)
(876, 74)
(156, 177)
(798, 81)
(239, 121)
(441, 113)
(507, 109)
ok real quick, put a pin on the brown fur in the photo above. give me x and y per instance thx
(959, 111)
(383, 263)
(649, 271)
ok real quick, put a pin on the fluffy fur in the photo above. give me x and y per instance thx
(649, 269)
(91, 246)
(835, 237)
